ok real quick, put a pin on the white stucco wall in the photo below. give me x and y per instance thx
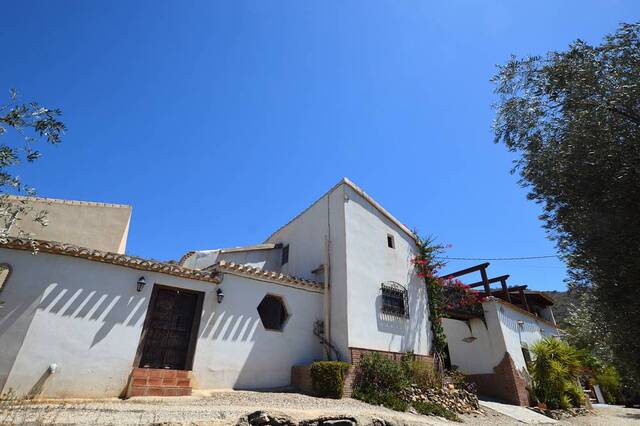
(530, 331)
(478, 356)
(501, 334)
(370, 262)
(305, 235)
(87, 318)
(235, 351)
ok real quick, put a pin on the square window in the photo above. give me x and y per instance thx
(394, 299)
(390, 241)
(285, 255)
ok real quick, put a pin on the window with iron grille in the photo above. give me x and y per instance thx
(394, 299)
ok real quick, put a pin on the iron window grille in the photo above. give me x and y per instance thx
(394, 299)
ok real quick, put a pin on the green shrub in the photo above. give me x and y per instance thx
(433, 409)
(555, 373)
(386, 399)
(575, 394)
(609, 381)
(420, 373)
(328, 378)
(379, 374)
(379, 380)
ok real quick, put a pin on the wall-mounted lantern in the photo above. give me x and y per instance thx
(220, 295)
(140, 284)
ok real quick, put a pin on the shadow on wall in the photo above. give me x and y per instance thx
(88, 304)
(408, 330)
(227, 327)
(241, 354)
(93, 304)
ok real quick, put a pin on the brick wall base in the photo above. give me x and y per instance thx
(506, 383)
(301, 379)
(159, 382)
(356, 354)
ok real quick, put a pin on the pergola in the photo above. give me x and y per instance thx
(515, 294)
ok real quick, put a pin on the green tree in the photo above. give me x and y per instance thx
(573, 119)
(22, 125)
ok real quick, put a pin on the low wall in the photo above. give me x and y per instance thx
(506, 383)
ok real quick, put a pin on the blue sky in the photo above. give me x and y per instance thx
(219, 121)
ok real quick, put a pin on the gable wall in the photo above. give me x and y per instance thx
(370, 262)
(305, 236)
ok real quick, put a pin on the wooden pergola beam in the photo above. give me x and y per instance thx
(517, 288)
(505, 289)
(491, 281)
(481, 267)
(524, 299)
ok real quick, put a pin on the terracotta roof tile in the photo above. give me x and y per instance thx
(224, 266)
(134, 262)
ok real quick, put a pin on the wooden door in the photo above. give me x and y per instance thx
(168, 329)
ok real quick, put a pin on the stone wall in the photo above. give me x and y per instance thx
(506, 383)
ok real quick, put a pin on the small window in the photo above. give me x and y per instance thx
(285, 255)
(390, 241)
(5, 270)
(394, 299)
(273, 313)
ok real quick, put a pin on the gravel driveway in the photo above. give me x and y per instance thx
(225, 408)
(216, 408)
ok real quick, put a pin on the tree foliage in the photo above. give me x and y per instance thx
(573, 118)
(22, 125)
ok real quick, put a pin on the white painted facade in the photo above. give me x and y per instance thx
(86, 317)
(477, 346)
(360, 261)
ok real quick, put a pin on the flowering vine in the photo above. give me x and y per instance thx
(445, 294)
(460, 297)
(427, 264)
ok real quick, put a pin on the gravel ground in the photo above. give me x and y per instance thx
(217, 408)
(612, 415)
(225, 408)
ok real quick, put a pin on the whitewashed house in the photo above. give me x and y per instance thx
(336, 281)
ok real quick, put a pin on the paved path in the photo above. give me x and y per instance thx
(520, 414)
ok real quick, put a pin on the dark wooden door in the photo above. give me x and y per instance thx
(168, 330)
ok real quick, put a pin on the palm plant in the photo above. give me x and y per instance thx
(555, 372)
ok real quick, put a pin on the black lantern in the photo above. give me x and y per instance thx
(140, 284)
(220, 295)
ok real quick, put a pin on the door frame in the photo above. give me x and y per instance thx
(195, 326)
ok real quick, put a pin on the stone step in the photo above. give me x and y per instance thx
(159, 382)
